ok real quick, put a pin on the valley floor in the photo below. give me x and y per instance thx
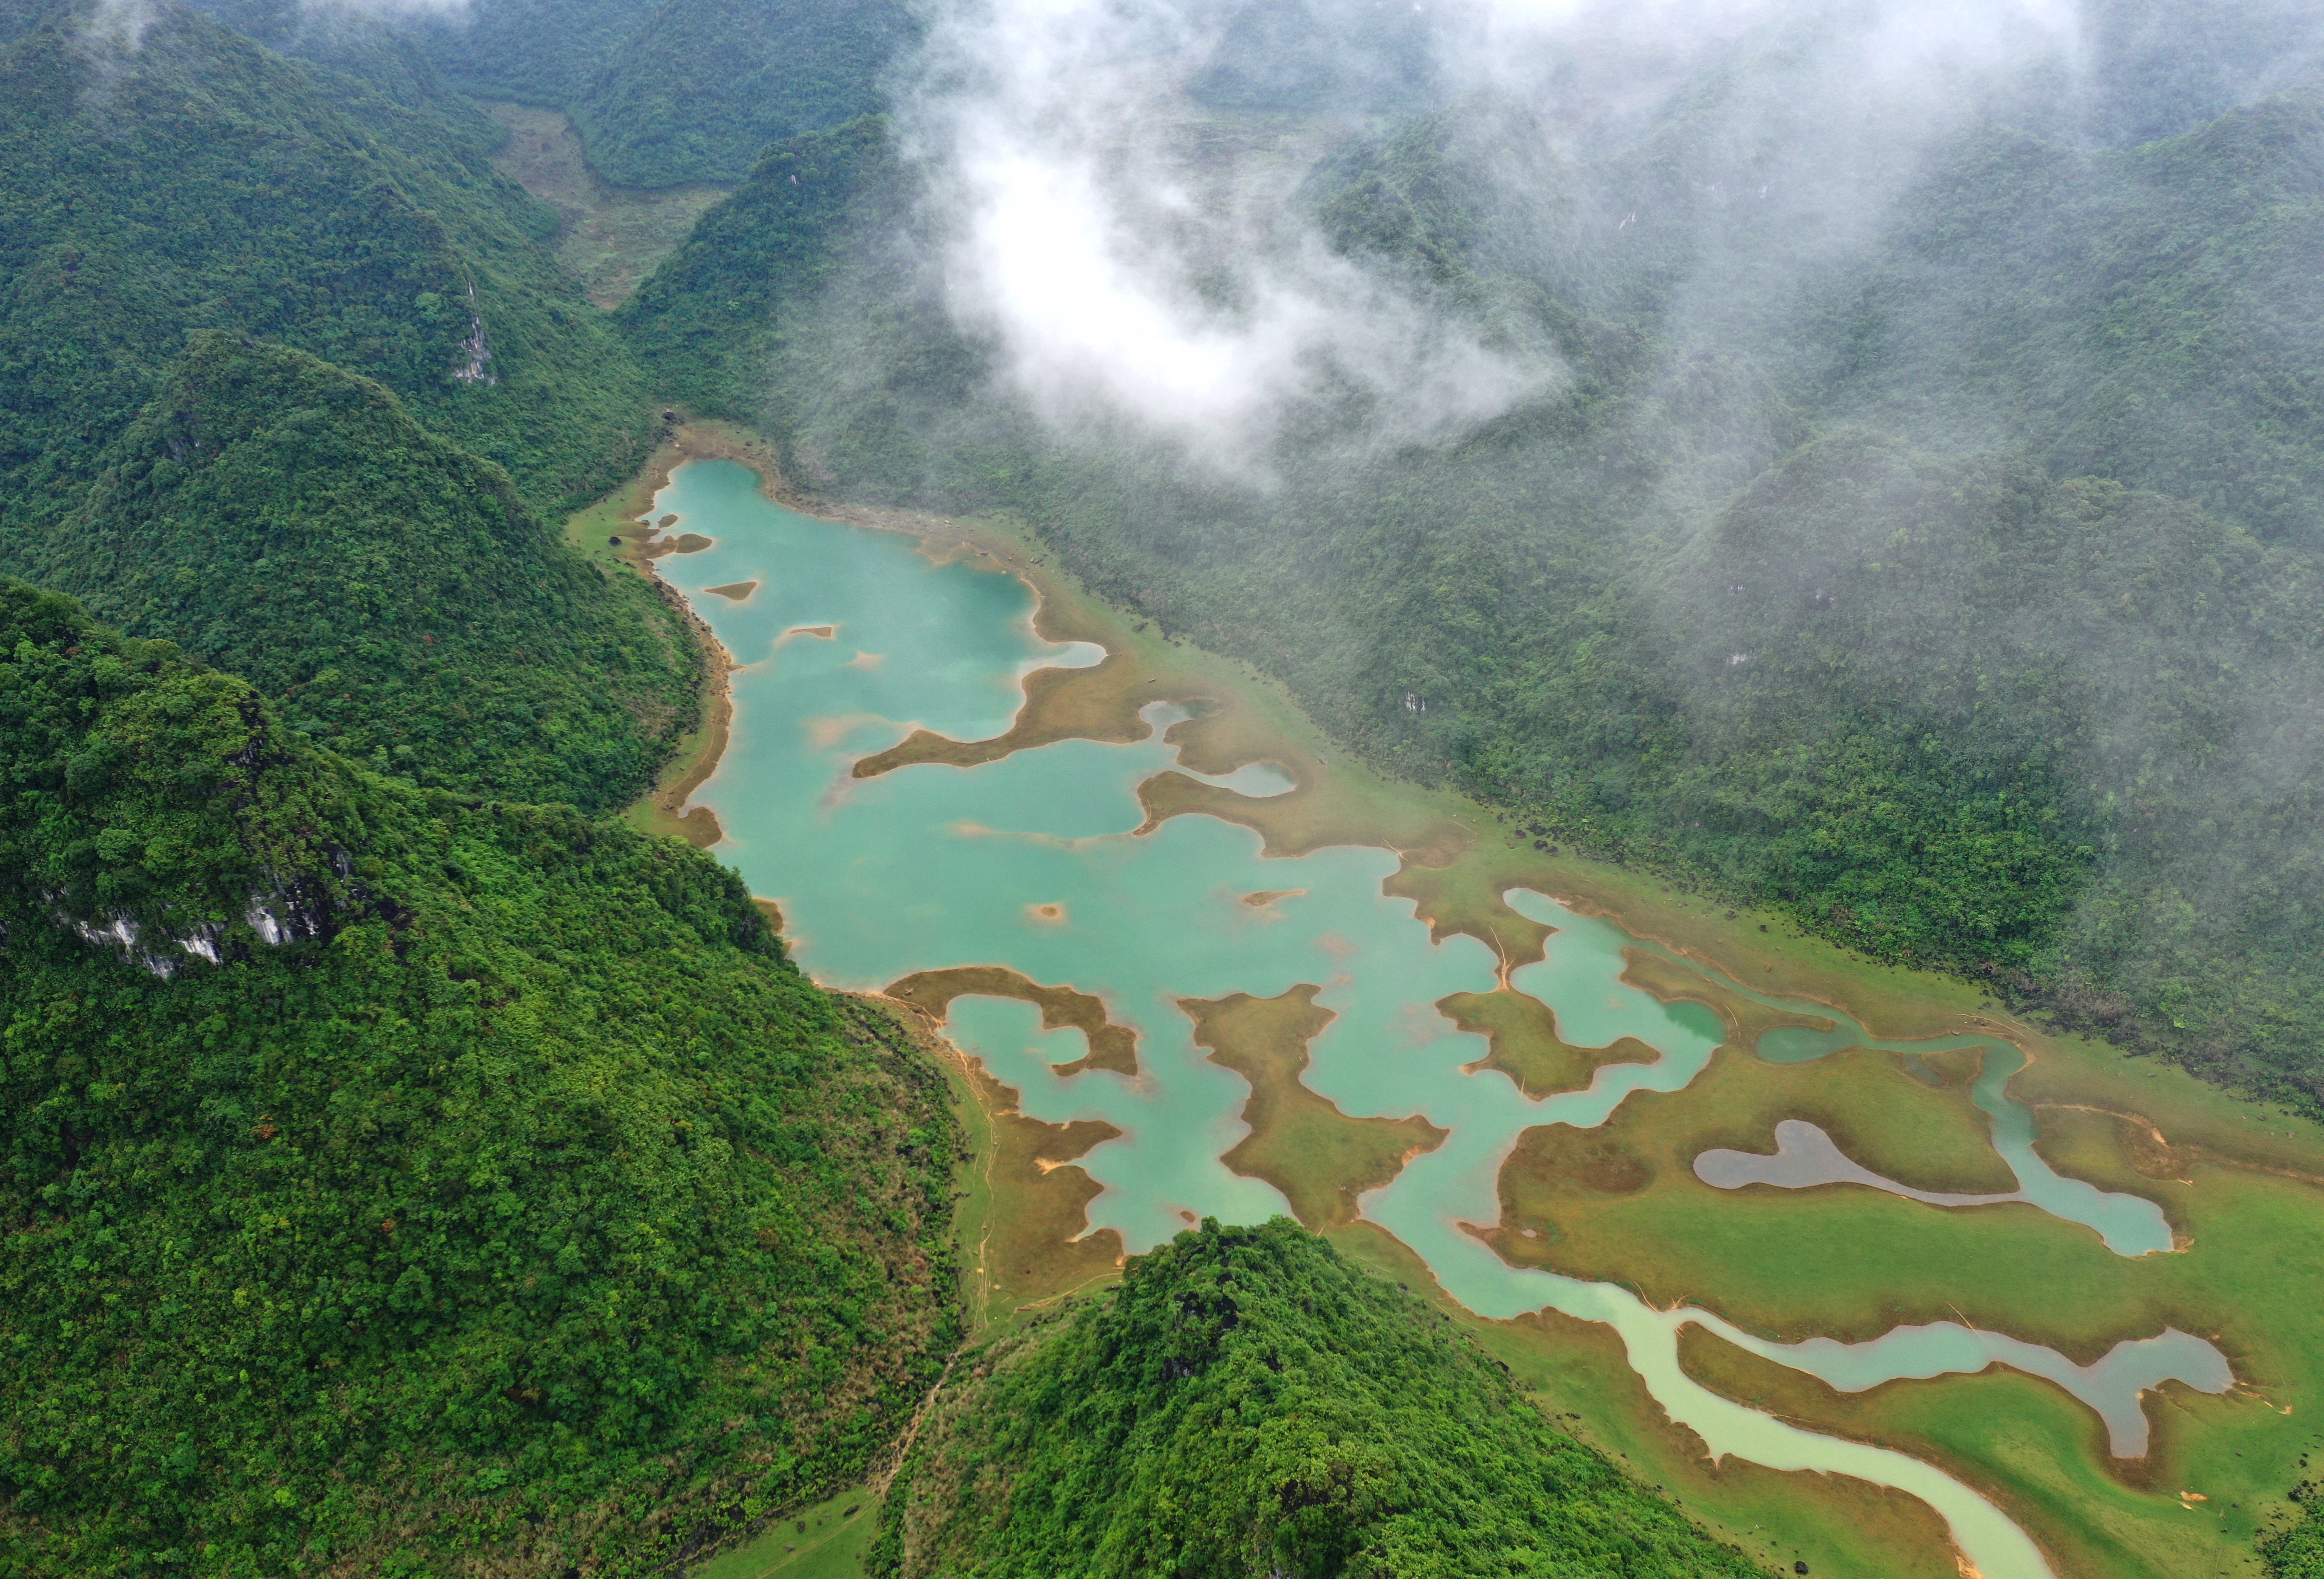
(2238, 1184)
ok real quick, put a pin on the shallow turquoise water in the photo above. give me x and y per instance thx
(931, 867)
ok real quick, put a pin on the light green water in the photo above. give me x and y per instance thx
(2131, 1225)
(931, 867)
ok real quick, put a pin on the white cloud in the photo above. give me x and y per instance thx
(117, 26)
(1126, 276)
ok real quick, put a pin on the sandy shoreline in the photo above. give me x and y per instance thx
(663, 808)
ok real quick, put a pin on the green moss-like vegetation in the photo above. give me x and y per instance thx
(291, 523)
(706, 85)
(1247, 1402)
(664, 92)
(200, 181)
(2296, 1550)
(393, 1179)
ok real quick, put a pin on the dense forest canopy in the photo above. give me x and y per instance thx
(348, 547)
(1874, 472)
(706, 85)
(535, 51)
(1247, 1402)
(668, 91)
(199, 180)
(1903, 513)
(393, 1177)
(291, 523)
(362, 60)
(395, 1172)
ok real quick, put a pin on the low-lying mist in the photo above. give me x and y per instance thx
(1867, 458)
(1126, 252)
(1867, 453)
(1118, 188)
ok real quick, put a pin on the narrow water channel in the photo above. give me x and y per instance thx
(851, 639)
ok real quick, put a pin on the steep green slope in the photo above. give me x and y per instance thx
(798, 305)
(1247, 1403)
(706, 85)
(362, 61)
(290, 523)
(536, 52)
(711, 320)
(2151, 316)
(664, 92)
(1953, 708)
(200, 181)
(396, 1181)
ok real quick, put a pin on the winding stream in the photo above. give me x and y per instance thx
(1029, 863)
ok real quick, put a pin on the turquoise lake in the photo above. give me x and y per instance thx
(930, 865)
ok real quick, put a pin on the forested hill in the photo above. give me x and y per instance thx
(290, 523)
(535, 51)
(706, 85)
(665, 91)
(1950, 581)
(397, 1181)
(367, 67)
(1248, 1403)
(194, 180)
(765, 307)
(208, 253)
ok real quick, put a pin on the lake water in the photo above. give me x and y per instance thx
(1030, 863)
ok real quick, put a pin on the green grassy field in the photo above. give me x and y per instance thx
(612, 236)
(826, 1541)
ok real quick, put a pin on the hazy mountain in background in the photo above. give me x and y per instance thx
(665, 92)
(1823, 454)
(535, 51)
(1365, 56)
(200, 181)
(706, 85)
